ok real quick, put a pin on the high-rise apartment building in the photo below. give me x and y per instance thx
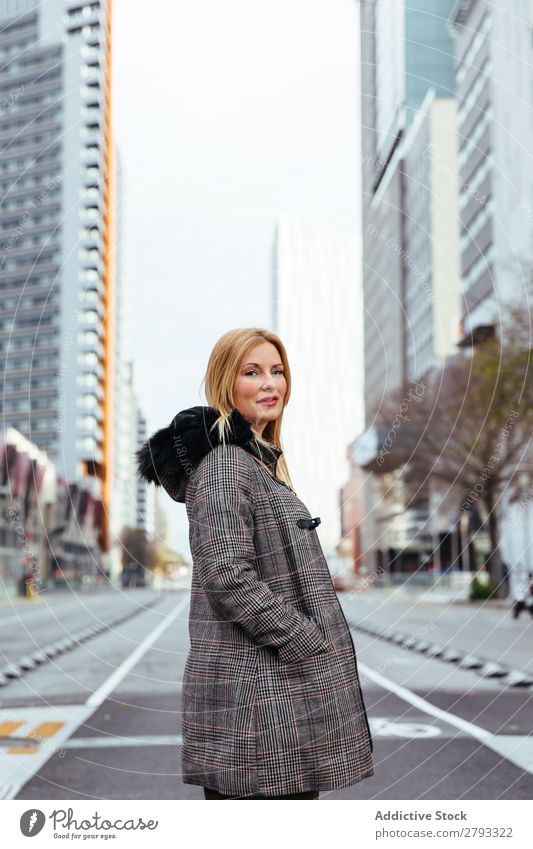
(57, 306)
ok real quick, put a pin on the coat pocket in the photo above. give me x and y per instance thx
(308, 642)
(309, 686)
(312, 669)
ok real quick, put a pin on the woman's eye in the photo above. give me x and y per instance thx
(246, 373)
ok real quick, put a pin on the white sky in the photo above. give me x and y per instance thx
(226, 112)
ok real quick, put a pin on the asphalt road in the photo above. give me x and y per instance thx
(101, 720)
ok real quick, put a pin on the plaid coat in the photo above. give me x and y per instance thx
(271, 700)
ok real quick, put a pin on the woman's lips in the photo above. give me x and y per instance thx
(269, 403)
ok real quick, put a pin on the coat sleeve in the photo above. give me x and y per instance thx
(223, 550)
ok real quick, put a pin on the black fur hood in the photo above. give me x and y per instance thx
(169, 456)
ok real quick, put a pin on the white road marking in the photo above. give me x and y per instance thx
(96, 699)
(391, 728)
(516, 749)
(388, 727)
(17, 769)
(113, 742)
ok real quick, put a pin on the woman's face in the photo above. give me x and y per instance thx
(260, 377)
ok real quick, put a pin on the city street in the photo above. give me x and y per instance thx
(106, 710)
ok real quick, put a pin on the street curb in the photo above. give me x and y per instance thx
(425, 597)
(17, 668)
(449, 654)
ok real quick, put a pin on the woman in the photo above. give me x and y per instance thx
(271, 702)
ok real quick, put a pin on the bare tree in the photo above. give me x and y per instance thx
(471, 428)
(138, 553)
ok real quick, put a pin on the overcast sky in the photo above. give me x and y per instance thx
(225, 114)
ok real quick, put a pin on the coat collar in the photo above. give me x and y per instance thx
(169, 456)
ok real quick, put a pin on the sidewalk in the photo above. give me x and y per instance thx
(18, 602)
(426, 594)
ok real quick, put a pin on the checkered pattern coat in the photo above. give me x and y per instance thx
(271, 701)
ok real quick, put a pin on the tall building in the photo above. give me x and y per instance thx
(57, 307)
(318, 315)
(385, 326)
(161, 523)
(144, 494)
(410, 247)
(494, 79)
(406, 50)
(130, 494)
(430, 259)
(123, 511)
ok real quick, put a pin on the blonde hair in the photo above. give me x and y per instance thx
(222, 371)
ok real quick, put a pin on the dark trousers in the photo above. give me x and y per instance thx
(307, 794)
(519, 606)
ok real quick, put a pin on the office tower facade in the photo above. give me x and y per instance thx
(430, 207)
(57, 233)
(318, 307)
(130, 493)
(161, 523)
(406, 50)
(494, 79)
(410, 246)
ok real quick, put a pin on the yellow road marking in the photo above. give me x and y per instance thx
(7, 728)
(44, 729)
